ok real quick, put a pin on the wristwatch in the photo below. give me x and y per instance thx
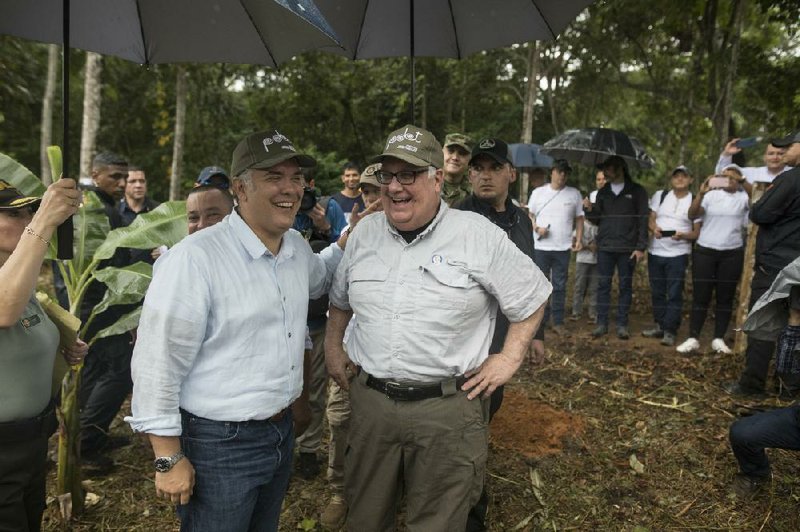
(164, 463)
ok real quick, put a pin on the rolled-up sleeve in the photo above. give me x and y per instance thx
(513, 279)
(171, 330)
(338, 296)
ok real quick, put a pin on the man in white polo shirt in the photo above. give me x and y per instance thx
(556, 210)
(668, 254)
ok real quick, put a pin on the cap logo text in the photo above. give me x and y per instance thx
(277, 138)
(405, 135)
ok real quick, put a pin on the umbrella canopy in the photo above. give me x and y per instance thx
(592, 146)
(174, 31)
(370, 29)
(529, 156)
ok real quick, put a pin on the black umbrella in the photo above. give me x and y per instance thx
(443, 28)
(265, 32)
(592, 146)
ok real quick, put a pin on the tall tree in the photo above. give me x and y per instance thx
(92, 97)
(48, 99)
(180, 124)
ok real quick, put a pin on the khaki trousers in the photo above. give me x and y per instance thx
(311, 440)
(338, 413)
(432, 452)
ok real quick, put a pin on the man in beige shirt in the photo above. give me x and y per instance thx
(425, 283)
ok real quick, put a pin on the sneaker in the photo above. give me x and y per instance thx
(655, 332)
(736, 388)
(668, 339)
(307, 465)
(622, 332)
(592, 319)
(333, 516)
(601, 330)
(574, 317)
(718, 346)
(748, 486)
(689, 346)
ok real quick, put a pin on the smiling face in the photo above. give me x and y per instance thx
(680, 181)
(409, 207)
(773, 158)
(136, 185)
(269, 203)
(456, 159)
(350, 178)
(12, 224)
(490, 180)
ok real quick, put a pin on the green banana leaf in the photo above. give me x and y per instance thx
(125, 285)
(20, 177)
(164, 225)
(126, 323)
(91, 230)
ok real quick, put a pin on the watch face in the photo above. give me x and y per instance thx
(163, 464)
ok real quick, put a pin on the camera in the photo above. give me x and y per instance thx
(309, 200)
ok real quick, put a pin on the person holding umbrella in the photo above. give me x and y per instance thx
(621, 212)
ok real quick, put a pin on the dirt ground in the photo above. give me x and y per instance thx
(604, 435)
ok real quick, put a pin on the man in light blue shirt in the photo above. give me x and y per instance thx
(219, 357)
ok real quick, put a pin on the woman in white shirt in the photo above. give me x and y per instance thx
(718, 256)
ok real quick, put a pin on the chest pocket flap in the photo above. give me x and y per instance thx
(448, 274)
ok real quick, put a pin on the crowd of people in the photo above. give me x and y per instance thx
(396, 309)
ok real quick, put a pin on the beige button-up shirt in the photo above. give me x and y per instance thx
(426, 310)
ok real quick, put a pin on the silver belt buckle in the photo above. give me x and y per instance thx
(394, 391)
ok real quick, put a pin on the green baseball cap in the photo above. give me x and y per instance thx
(368, 175)
(413, 145)
(264, 150)
(458, 139)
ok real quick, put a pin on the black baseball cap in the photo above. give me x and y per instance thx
(12, 199)
(494, 148)
(786, 141)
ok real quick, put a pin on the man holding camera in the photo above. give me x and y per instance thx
(318, 218)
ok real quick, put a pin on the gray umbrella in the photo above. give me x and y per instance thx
(592, 146)
(265, 32)
(443, 28)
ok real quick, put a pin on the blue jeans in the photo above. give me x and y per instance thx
(606, 262)
(666, 287)
(242, 471)
(776, 429)
(554, 265)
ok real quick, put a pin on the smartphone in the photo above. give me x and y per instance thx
(748, 142)
(718, 181)
(670, 232)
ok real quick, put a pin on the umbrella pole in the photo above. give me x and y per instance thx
(64, 230)
(413, 62)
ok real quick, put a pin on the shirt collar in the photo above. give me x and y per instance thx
(252, 244)
(443, 208)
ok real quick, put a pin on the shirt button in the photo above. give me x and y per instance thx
(292, 367)
(397, 316)
(401, 283)
(290, 335)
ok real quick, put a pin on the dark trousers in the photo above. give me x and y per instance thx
(607, 261)
(666, 288)
(554, 265)
(105, 383)
(714, 271)
(759, 352)
(23, 470)
(750, 436)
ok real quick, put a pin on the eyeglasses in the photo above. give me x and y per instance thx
(404, 177)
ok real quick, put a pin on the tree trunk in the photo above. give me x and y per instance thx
(46, 138)
(180, 122)
(92, 97)
(723, 113)
(528, 109)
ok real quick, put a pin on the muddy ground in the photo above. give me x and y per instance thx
(605, 435)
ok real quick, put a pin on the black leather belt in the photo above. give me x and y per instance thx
(409, 391)
(44, 424)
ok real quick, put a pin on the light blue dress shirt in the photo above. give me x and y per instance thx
(223, 327)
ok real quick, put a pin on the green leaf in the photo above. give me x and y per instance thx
(20, 177)
(126, 285)
(126, 323)
(307, 524)
(56, 162)
(91, 229)
(165, 225)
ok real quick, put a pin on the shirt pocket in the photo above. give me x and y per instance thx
(442, 301)
(366, 290)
